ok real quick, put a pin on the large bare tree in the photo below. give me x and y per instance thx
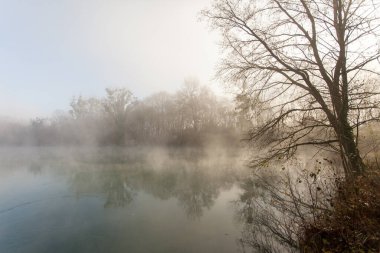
(312, 65)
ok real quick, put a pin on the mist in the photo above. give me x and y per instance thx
(189, 126)
(192, 116)
(115, 134)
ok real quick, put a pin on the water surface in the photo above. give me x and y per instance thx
(119, 200)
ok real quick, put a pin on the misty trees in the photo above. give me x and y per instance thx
(200, 111)
(310, 64)
(159, 110)
(103, 120)
(191, 116)
(86, 120)
(117, 104)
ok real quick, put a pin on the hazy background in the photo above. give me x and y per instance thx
(53, 50)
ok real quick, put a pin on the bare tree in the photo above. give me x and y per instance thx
(117, 104)
(313, 63)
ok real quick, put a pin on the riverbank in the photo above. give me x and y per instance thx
(353, 225)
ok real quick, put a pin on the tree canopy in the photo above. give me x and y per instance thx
(311, 65)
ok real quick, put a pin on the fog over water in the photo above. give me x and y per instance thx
(119, 199)
(118, 134)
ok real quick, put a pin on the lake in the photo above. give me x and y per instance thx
(119, 200)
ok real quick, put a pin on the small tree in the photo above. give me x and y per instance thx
(117, 105)
(313, 64)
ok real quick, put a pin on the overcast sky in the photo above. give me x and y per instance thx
(51, 50)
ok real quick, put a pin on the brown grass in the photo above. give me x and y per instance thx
(354, 223)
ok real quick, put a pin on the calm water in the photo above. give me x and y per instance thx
(119, 200)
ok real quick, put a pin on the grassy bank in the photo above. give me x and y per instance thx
(353, 225)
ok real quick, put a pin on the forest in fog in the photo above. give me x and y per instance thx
(193, 115)
(288, 162)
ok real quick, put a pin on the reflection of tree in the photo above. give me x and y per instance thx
(265, 229)
(194, 188)
(112, 184)
(196, 193)
(35, 168)
(193, 183)
(276, 208)
(117, 190)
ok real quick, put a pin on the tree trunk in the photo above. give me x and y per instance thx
(352, 161)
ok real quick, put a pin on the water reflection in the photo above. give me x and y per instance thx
(274, 207)
(35, 168)
(122, 200)
(110, 184)
(194, 179)
(118, 192)
(193, 186)
(118, 201)
(265, 229)
(197, 192)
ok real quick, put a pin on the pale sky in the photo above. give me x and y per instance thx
(51, 50)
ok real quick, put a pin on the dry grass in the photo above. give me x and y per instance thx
(354, 224)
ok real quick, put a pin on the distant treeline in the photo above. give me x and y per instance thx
(194, 115)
